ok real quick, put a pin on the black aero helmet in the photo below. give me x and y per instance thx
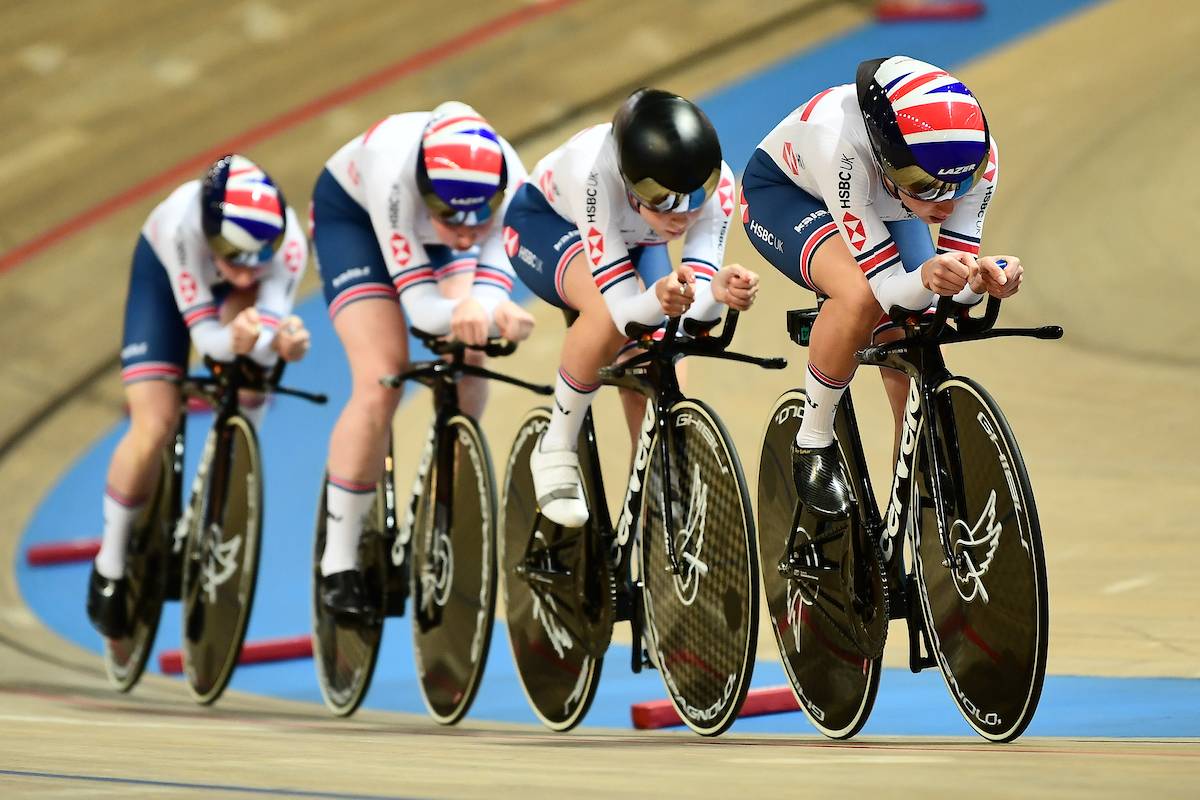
(667, 150)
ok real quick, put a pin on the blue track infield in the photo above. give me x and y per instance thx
(294, 439)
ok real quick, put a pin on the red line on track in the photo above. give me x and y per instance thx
(285, 648)
(289, 119)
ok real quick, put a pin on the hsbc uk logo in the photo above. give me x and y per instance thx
(789, 158)
(511, 241)
(595, 243)
(401, 252)
(771, 239)
(855, 230)
(725, 195)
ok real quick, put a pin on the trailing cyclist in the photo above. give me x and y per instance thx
(589, 232)
(839, 197)
(216, 266)
(405, 211)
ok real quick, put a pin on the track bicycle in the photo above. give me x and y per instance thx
(438, 549)
(205, 554)
(678, 564)
(957, 553)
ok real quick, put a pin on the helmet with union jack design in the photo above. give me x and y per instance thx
(461, 171)
(927, 130)
(242, 212)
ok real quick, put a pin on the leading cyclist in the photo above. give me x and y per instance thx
(216, 266)
(839, 197)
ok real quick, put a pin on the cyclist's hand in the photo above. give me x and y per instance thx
(675, 292)
(947, 274)
(245, 328)
(735, 286)
(293, 339)
(999, 276)
(469, 323)
(514, 322)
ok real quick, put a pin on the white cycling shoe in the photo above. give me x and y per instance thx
(558, 485)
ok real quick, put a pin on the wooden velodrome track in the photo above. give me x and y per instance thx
(1098, 119)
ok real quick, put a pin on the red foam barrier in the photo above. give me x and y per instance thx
(900, 11)
(76, 550)
(759, 702)
(284, 648)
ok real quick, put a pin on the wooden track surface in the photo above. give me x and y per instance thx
(1097, 124)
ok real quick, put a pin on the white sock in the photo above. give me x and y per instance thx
(820, 405)
(119, 514)
(571, 401)
(347, 504)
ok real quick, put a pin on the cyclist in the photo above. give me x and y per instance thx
(589, 232)
(839, 197)
(217, 263)
(405, 210)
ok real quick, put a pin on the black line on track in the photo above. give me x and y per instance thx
(200, 787)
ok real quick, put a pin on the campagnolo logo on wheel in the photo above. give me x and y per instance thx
(689, 542)
(696, 713)
(685, 419)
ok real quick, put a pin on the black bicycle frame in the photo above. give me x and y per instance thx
(442, 378)
(918, 356)
(652, 374)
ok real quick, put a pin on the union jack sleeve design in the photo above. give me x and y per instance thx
(949, 241)
(703, 269)
(610, 275)
(492, 276)
(879, 258)
(196, 314)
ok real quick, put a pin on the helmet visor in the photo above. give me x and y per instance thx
(653, 195)
(224, 249)
(456, 216)
(918, 184)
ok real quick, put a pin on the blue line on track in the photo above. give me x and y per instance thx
(295, 434)
(200, 787)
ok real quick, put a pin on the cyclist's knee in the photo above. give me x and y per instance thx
(151, 428)
(374, 402)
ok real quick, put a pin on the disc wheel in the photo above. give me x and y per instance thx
(987, 613)
(345, 654)
(701, 609)
(146, 560)
(558, 589)
(834, 682)
(221, 558)
(454, 570)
